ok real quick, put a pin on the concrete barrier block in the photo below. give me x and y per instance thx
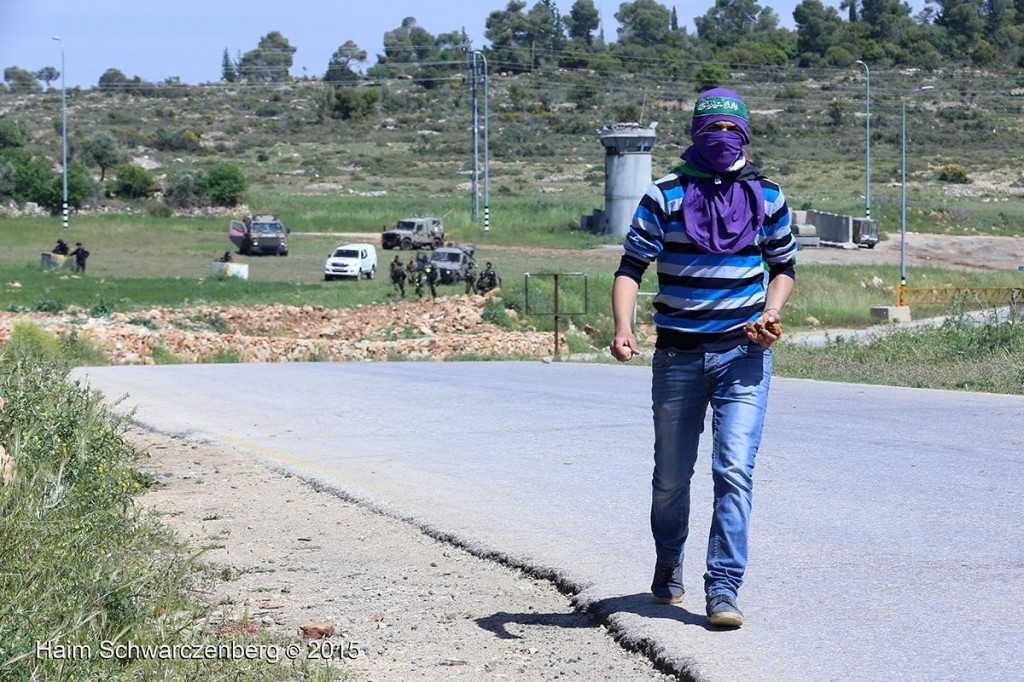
(891, 313)
(221, 269)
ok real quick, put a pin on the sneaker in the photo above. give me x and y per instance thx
(667, 586)
(723, 612)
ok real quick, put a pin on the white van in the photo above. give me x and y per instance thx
(352, 260)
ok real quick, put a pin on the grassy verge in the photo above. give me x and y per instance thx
(960, 354)
(82, 570)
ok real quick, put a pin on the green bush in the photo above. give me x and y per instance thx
(132, 182)
(183, 188)
(954, 174)
(224, 184)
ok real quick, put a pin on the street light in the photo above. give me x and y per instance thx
(64, 128)
(487, 160)
(902, 295)
(867, 181)
(476, 153)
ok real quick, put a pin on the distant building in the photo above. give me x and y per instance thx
(628, 151)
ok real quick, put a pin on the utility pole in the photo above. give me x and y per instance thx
(476, 144)
(487, 156)
(64, 128)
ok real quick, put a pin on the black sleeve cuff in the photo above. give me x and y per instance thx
(632, 267)
(787, 268)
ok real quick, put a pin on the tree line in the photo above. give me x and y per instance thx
(731, 33)
(29, 177)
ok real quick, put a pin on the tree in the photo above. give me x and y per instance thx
(80, 187)
(582, 21)
(33, 179)
(182, 189)
(227, 68)
(339, 69)
(11, 133)
(644, 23)
(269, 62)
(355, 103)
(887, 20)
(47, 74)
(224, 184)
(963, 22)
(819, 28)
(113, 79)
(132, 182)
(509, 33)
(102, 149)
(731, 21)
(21, 81)
(545, 33)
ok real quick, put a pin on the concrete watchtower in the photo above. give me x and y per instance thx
(627, 175)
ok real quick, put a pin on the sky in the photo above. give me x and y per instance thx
(158, 39)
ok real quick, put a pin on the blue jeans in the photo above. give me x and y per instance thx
(735, 383)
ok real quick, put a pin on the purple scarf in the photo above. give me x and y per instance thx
(720, 214)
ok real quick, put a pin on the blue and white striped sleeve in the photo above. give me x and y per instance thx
(779, 246)
(644, 241)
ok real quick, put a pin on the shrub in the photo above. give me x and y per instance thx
(181, 141)
(224, 185)
(183, 188)
(955, 174)
(132, 182)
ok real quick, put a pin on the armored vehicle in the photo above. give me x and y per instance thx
(452, 262)
(414, 233)
(259, 235)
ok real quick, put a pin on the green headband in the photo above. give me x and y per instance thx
(710, 106)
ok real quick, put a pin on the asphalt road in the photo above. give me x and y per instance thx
(886, 540)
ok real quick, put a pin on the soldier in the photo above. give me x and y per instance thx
(431, 273)
(61, 249)
(488, 279)
(398, 276)
(415, 270)
(470, 276)
(80, 255)
(417, 279)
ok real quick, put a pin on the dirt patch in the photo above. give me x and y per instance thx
(417, 608)
(982, 253)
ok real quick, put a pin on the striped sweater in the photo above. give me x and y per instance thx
(704, 299)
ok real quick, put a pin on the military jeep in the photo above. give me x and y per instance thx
(414, 233)
(452, 262)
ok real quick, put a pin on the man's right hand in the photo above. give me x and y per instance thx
(623, 347)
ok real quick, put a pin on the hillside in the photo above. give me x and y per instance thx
(413, 151)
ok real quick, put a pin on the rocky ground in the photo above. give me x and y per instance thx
(409, 607)
(431, 329)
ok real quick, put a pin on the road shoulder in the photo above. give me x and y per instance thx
(288, 554)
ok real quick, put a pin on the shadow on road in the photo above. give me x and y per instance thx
(642, 604)
(599, 611)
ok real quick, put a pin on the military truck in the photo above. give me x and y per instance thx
(259, 235)
(452, 262)
(414, 233)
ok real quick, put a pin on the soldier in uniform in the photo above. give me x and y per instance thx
(488, 279)
(80, 255)
(61, 249)
(470, 276)
(431, 273)
(398, 276)
(415, 269)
